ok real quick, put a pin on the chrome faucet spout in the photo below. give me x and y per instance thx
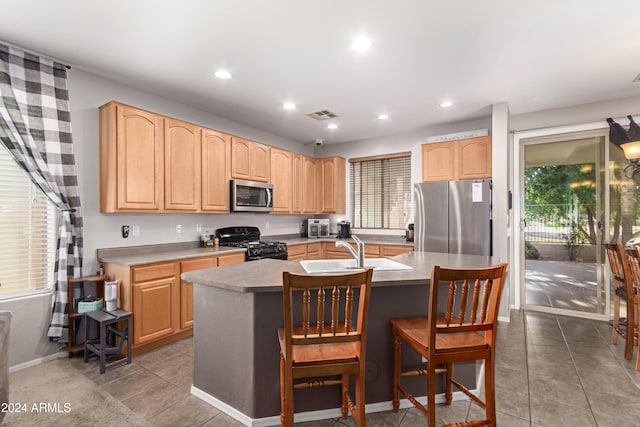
(357, 255)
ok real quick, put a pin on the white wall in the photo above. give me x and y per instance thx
(410, 141)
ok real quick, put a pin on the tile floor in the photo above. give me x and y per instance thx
(551, 371)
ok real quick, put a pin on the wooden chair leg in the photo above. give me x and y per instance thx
(344, 406)
(489, 392)
(449, 384)
(616, 314)
(360, 403)
(396, 372)
(286, 396)
(431, 394)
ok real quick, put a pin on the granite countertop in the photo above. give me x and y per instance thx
(139, 255)
(266, 275)
(149, 254)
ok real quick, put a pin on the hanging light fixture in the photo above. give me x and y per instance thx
(629, 141)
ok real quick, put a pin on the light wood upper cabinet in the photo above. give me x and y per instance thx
(297, 185)
(438, 161)
(182, 150)
(250, 160)
(131, 159)
(473, 158)
(310, 185)
(216, 162)
(281, 178)
(332, 185)
(454, 160)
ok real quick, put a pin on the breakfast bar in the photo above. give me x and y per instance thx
(238, 308)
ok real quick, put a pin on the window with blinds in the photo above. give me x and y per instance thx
(27, 232)
(381, 191)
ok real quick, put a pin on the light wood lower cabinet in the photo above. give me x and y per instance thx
(161, 303)
(297, 252)
(155, 297)
(314, 251)
(370, 251)
(186, 288)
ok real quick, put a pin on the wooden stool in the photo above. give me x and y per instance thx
(106, 345)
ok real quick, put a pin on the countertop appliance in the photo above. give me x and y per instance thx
(249, 238)
(317, 228)
(250, 196)
(408, 234)
(344, 230)
(453, 217)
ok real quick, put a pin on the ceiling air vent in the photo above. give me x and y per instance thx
(322, 115)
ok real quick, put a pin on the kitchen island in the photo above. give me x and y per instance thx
(238, 308)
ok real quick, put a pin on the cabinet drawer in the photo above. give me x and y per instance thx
(231, 259)
(197, 264)
(371, 251)
(155, 271)
(395, 250)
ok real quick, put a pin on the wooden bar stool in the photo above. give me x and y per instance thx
(623, 288)
(328, 345)
(463, 330)
(106, 344)
(633, 303)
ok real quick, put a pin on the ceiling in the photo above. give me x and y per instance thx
(533, 54)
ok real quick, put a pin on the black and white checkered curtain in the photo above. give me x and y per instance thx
(35, 126)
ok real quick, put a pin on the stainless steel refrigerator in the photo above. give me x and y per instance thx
(453, 217)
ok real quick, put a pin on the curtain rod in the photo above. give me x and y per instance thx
(32, 52)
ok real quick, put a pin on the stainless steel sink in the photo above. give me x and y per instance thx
(316, 266)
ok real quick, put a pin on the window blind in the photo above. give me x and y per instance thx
(27, 232)
(381, 191)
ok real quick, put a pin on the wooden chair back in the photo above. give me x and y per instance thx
(615, 255)
(326, 309)
(471, 303)
(633, 258)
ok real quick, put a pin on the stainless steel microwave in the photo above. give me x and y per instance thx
(250, 196)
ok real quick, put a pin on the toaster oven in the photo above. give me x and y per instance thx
(317, 228)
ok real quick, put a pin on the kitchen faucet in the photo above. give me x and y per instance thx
(359, 255)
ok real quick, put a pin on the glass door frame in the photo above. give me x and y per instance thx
(598, 129)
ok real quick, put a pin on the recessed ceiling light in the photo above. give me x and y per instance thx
(332, 126)
(446, 104)
(223, 74)
(360, 44)
(289, 106)
(383, 117)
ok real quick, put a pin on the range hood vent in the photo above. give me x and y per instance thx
(322, 115)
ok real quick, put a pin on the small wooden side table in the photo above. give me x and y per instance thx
(106, 344)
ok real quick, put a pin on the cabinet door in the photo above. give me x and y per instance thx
(281, 180)
(473, 157)
(155, 310)
(438, 161)
(139, 159)
(216, 159)
(332, 185)
(310, 185)
(260, 162)
(240, 158)
(186, 288)
(371, 251)
(181, 166)
(314, 251)
(296, 183)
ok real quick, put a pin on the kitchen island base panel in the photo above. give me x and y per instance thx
(236, 350)
(325, 414)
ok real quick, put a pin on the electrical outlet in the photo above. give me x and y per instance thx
(135, 230)
(125, 231)
(198, 227)
(178, 228)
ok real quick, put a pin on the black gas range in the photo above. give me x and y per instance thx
(249, 238)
